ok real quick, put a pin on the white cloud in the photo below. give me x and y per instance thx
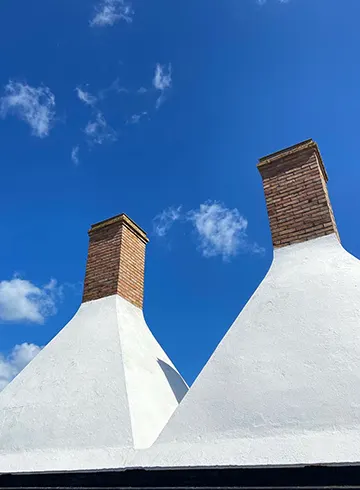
(86, 97)
(142, 90)
(75, 155)
(221, 231)
(262, 2)
(162, 81)
(160, 100)
(21, 300)
(135, 118)
(108, 12)
(34, 105)
(98, 131)
(164, 220)
(18, 358)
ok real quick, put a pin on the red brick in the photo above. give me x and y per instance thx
(296, 194)
(116, 260)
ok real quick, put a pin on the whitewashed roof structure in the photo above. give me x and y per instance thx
(100, 389)
(281, 389)
(283, 386)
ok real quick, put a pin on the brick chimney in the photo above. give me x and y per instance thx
(296, 194)
(116, 260)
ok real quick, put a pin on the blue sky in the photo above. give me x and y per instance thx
(161, 109)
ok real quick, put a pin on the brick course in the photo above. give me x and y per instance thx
(296, 194)
(116, 260)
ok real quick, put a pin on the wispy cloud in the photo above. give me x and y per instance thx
(220, 231)
(162, 81)
(164, 220)
(162, 78)
(108, 12)
(98, 131)
(115, 86)
(21, 300)
(262, 2)
(19, 357)
(135, 118)
(75, 155)
(34, 105)
(142, 90)
(86, 97)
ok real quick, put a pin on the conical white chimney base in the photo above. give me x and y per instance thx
(283, 386)
(102, 388)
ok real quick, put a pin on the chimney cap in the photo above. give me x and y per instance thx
(121, 219)
(291, 150)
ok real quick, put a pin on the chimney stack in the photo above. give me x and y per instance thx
(296, 194)
(116, 260)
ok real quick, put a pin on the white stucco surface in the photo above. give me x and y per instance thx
(283, 386)
(100, 389)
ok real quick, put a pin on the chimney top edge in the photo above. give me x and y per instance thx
(124, 220)
(299, 147)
